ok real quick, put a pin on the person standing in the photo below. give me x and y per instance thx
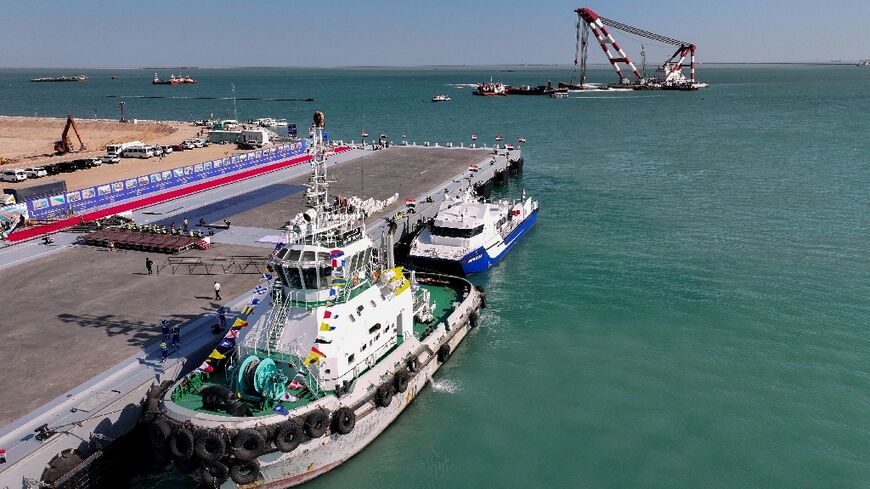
(217, 290)
(222, 317)
(164, 329)
(184, 224)
(164, 351)
(176, 337)
(148, 264)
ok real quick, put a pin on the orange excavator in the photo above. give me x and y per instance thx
(64, 146)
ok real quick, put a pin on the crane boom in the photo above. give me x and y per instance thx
(672, 68)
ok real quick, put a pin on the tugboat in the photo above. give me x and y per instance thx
(321, 360)
(468, 236)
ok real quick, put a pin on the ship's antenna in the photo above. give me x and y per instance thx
(318, 188)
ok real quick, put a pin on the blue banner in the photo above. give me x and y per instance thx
(87, 199)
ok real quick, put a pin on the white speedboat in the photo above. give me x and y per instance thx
(468, 236)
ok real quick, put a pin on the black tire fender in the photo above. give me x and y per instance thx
(343, 420)
(316, 423)
(413, 364)
(210, 446)
(245, 472)
(288, 436)
(248, 444)
(443, 353)
(401, 380)
(384, 395)
(213, 474)
(159, 433)
(181, 444)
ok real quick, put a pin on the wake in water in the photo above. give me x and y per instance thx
(450, 386)
(462, 85)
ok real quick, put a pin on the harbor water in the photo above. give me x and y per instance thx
(690, 310)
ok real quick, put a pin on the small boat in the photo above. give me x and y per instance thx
(173, 80)
(441, 98)
(468, 236)
(498, 138)
(521, 140)
(364, 134)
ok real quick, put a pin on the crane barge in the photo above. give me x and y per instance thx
(669, 75)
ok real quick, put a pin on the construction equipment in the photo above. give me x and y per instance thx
(669, 76)
(64, 146)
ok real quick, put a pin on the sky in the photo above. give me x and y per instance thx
(218, 33)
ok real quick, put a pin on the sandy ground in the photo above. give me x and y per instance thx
(27, 139)
(30, 141)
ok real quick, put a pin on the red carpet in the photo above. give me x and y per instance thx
(36, 231)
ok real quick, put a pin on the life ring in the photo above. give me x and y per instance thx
(209, 446)
(343, 420)
(159, 432)
(213, 474)
(288, 435)
(316, 423)
(401, 380)
(245, 472)
(181, 444)
(384, 395)
(248, 444)
(443, 353)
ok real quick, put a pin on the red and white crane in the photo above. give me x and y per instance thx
(669, 74)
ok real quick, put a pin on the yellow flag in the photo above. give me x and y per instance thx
(217, 355)
(246, 310)
(311, 358)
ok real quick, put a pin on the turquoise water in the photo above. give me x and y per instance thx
(691, 309)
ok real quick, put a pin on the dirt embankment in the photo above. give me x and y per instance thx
(27, 141)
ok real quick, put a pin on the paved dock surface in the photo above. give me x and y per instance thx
(69, 315)
(409, 171)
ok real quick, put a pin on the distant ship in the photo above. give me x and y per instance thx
(73, 78)
(173, 80)
(491, 88)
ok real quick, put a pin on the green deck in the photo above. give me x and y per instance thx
(187, 394)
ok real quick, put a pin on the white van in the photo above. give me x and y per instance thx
(137, 152)
(118, 148)
(14, 175)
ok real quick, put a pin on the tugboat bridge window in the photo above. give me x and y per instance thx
(456, 232)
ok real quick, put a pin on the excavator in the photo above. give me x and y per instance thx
(64, 146)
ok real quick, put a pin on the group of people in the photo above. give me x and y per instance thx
(172, 333)
(171, 338)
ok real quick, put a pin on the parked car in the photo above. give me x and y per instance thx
(67, 166)
(167, 149)
(187, 144)
(51, 169)
(157, 150)
(201, 142)
(35, 172)
(110, 159)
(195, 143)
(13, 175)
(92, 162)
